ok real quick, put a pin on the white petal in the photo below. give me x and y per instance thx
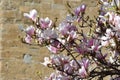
(26, 15)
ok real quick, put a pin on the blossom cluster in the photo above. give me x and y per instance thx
(74, 53)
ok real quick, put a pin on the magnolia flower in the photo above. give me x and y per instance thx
(72, 36)
(53, 49)
(31, 15)
(30, 30)
(68, 69)
(82, 72)
(66, 28)
(59, 60)
(61, 40)
(74, 64)
(56, 44)
(45, 23)
(48, 34)
(80, 9)
(85, 62)
(47, 61)
(56, 60)
(28, 39)
(83, 7)
(77, 11)
(63, 28)
(104, 41)
(109, 32)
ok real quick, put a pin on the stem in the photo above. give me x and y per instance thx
(72, 56)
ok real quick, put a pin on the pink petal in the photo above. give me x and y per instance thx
(52, 49)
(28, 39)
(30, 30)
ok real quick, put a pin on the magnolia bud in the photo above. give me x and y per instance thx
(83, 7)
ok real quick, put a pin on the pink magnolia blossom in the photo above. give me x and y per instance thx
(68, 69)
(31, 15)
(47, 61)
(80, 9)
(77, 11)
(45, 23)
(53, 49)
(85, 62)
(30, 30)
(82, 72)
(109, 33)
(66, 28)
(72, 36)
(56, 44)
(74, 64)
(56, 60)
(48, 34)
(63, 28)
(28, 39)
(59, 60)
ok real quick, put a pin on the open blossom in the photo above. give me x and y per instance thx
(45, 23)
(49, 34)
(63, 28)
(74, 64)
(109, 33)
(72, 35)
(56, 43)
(68, 69)
(82, 72)
(53, 49)
(28, 39)
(59, 60)
(47, 61)
(31, 15)
(66, 28)
(30, 30)
(85, 62)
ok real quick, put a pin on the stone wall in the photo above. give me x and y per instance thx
(12, 51)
